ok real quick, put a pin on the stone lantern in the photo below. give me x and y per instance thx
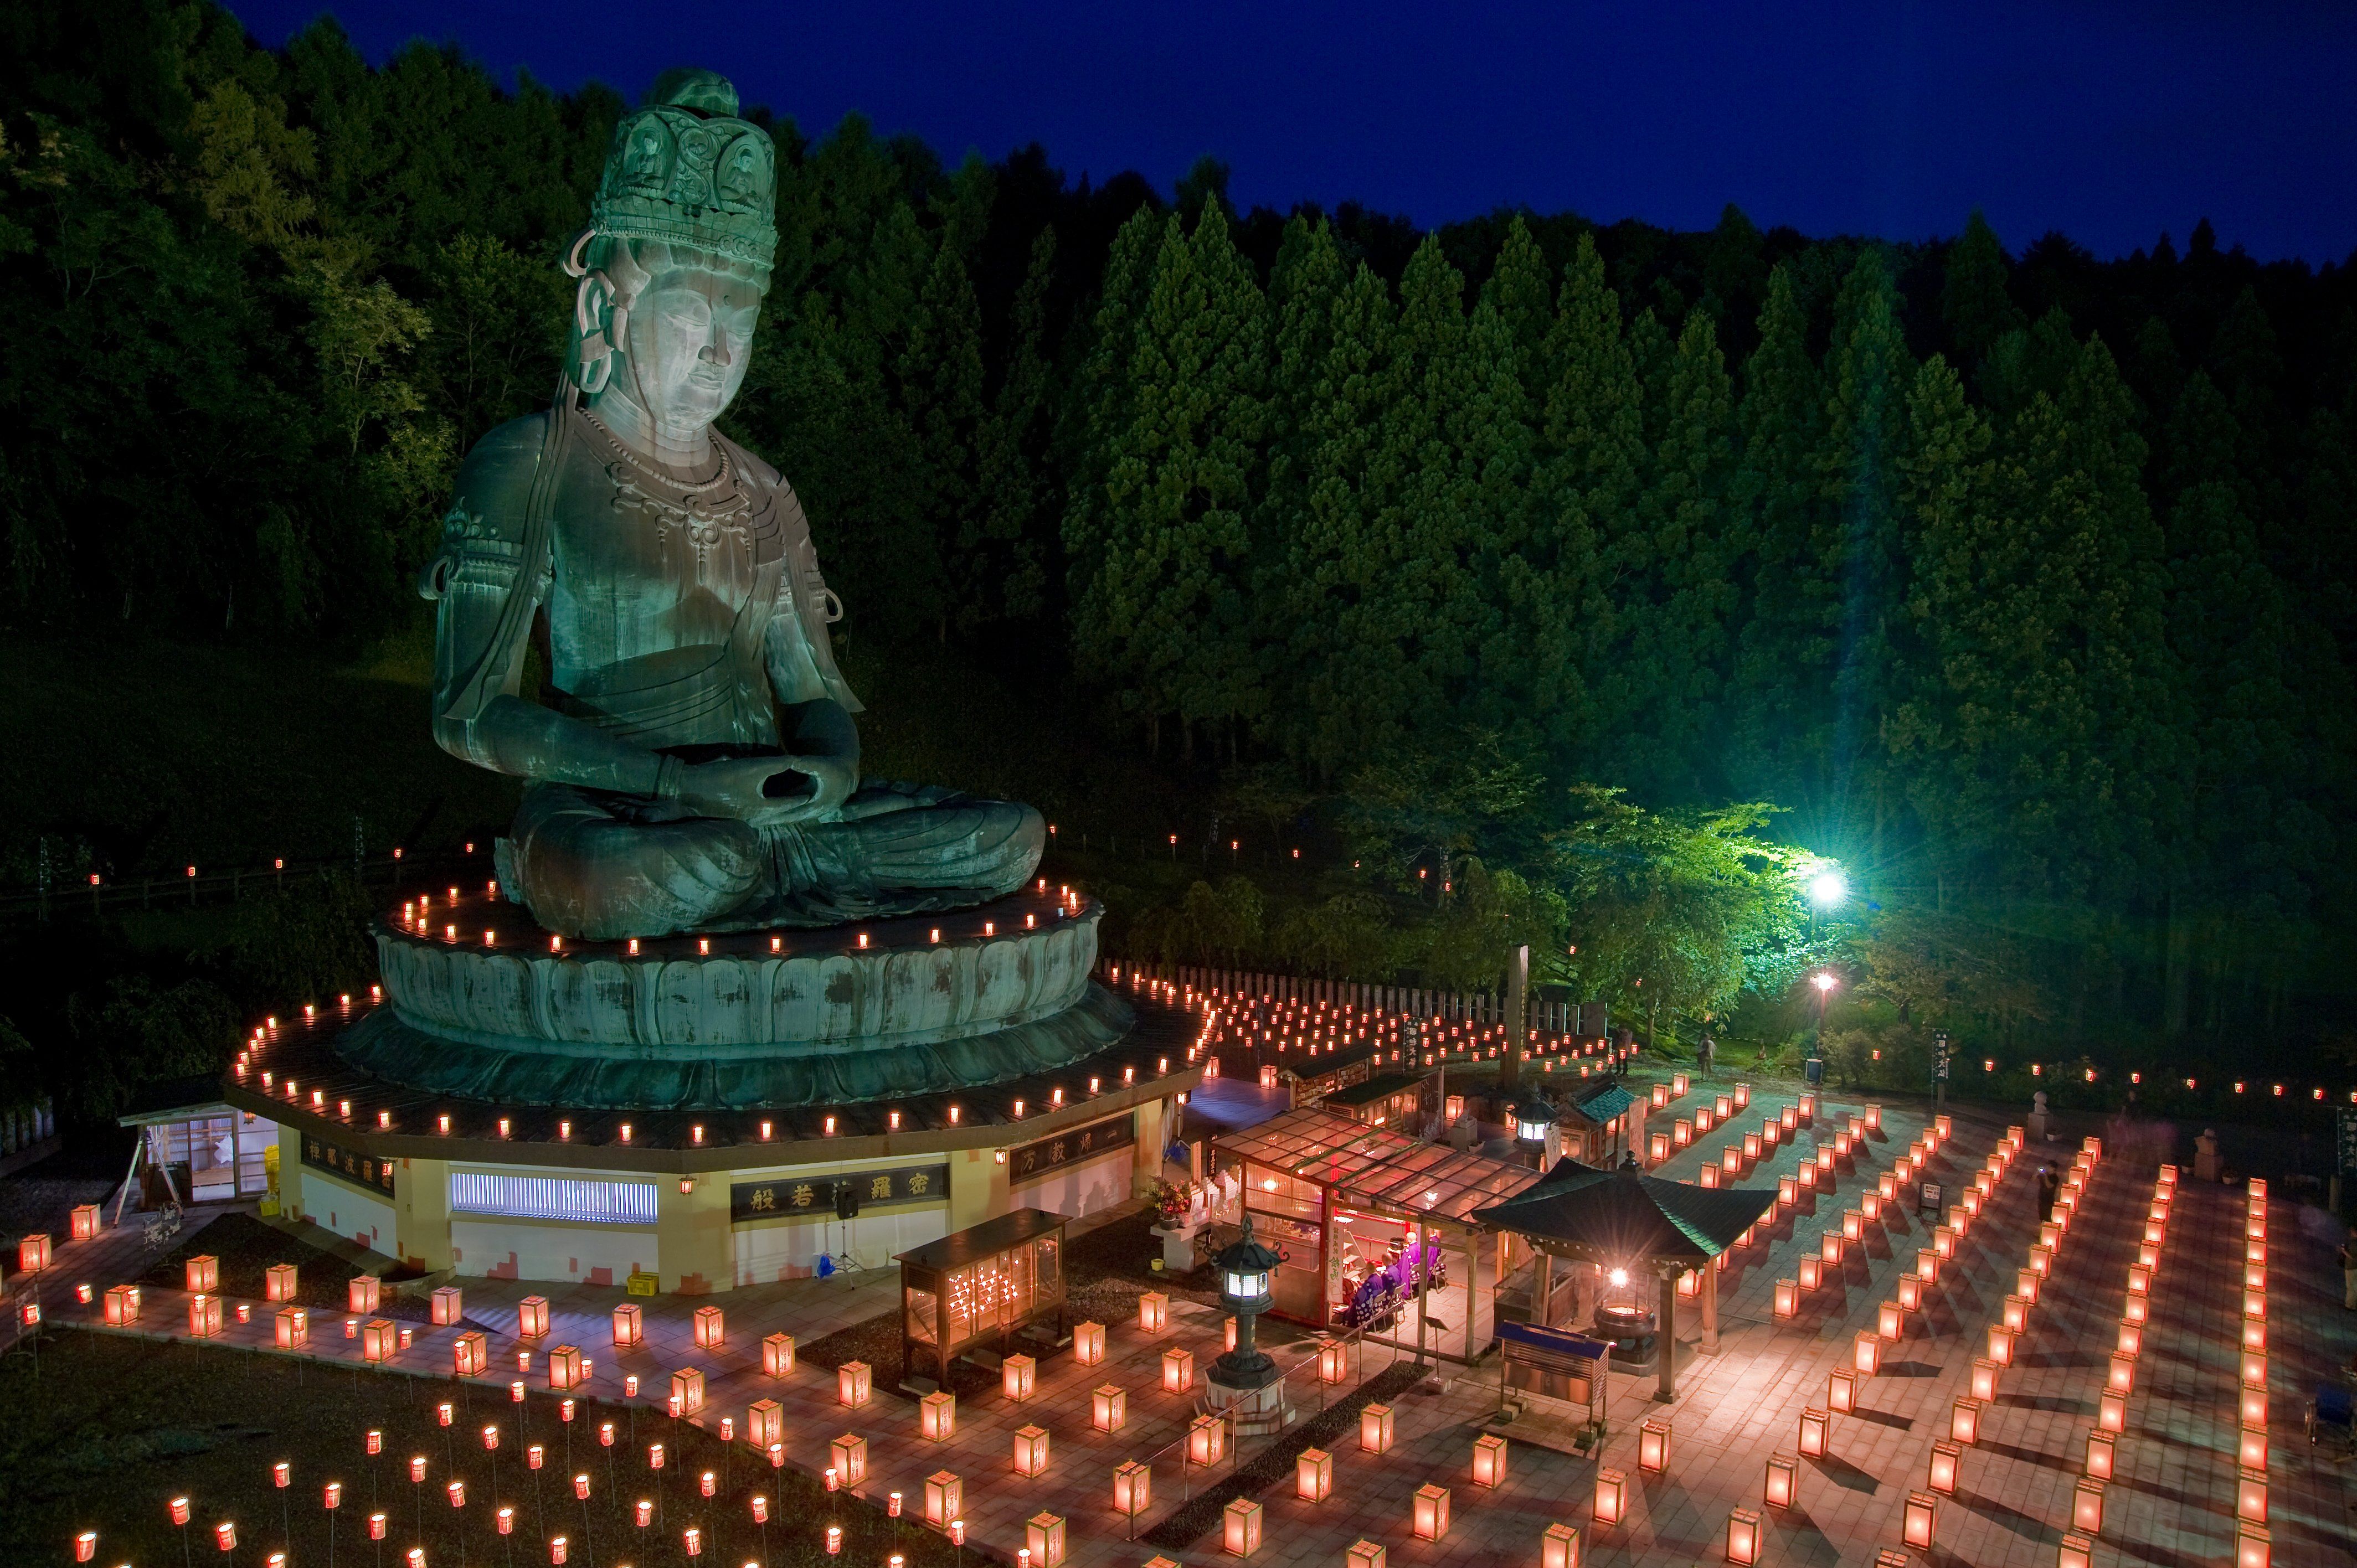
(1534, 1128)
(1245, 1384)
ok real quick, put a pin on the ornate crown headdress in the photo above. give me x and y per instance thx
(683, 168)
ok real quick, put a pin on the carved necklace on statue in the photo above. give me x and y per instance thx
(707, 515)
(725, 474)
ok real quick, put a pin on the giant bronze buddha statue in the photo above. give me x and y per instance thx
(695, 766)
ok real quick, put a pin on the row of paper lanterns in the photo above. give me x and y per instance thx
(1833, 1243)
(2254, 1543)
(1780, 1487)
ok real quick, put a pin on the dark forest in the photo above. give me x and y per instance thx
(1550, 580)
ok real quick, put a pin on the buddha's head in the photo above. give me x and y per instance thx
(676, 257)
(684, 321)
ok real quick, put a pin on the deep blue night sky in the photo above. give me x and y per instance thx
(2110, 121)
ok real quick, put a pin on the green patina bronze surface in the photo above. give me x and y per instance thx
(692, 775)
(696, 765)
(658, 1075)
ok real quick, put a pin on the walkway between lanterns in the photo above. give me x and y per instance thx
(1733, 1411)
(117, 1254)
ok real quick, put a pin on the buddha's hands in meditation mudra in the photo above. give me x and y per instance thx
(767, 791)
(696, 765)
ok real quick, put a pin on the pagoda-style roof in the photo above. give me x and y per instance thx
(1374, 1089)
(1625, 1216)
(1603, 1102)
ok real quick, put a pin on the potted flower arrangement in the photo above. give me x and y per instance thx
(1174, 1210)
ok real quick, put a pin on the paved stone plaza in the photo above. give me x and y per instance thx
(2172, 1503)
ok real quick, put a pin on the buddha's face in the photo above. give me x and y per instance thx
(690, 335)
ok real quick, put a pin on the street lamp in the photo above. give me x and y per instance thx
(1827, 889)
(1815, 1067)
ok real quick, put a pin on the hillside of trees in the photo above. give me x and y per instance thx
(1511, 566)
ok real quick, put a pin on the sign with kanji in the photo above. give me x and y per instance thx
(361, 1170)
(1029, 1162)
(2347, 1142)
(784, 1197)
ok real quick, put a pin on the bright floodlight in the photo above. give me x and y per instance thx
(1827, 887)
(1620, 1277)
(1825, 983)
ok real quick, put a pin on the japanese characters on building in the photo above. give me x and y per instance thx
(1028, 1160)
(368, 1171)
(784, 1197)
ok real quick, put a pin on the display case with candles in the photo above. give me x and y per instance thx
(979, 1287)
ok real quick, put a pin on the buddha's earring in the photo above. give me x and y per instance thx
(592, 303)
